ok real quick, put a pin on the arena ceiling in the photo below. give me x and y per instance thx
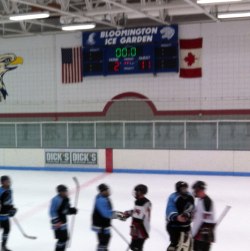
(108, 14)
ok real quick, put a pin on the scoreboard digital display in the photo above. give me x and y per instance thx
(129, 59)
(113, 53)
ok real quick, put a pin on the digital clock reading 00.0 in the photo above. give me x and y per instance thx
(125, 52)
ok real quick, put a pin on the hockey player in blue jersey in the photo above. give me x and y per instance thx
(7, 209)
(179, 214)
(102, 215)
(59, 209)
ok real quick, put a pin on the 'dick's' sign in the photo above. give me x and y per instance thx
(138, 35)
(85, 158)
(71, 157)
(57, 157)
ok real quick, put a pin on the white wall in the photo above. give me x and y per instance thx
(168, 160)
(172, 160)
(34, 158)
(36, 85)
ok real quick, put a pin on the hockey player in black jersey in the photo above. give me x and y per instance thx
(203, 223)
(7, 209)
(179, 213)
(59, 209)
(140, 218)
(102, 215)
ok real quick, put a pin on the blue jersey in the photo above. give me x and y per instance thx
(6, 203)
(59, 209)
(179, 205)
(102, 215)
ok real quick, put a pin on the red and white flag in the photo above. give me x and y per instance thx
(190, 58)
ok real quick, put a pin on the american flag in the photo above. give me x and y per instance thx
(71, 65)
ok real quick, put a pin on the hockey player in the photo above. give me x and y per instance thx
(179, 212)
(102, 215)
(203, 223)
(59, 209)
(7, 209)
(140, 218)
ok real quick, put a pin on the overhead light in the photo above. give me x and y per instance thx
(233, 15)
(216, 1)
(75, 27)
(29, 16)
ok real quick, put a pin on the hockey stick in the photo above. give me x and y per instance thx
(22, 231)
(223, 214)
(122, 236)
(72, 226)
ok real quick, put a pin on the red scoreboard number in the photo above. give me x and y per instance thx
(114, 67)
(117, 66)
(145, 65)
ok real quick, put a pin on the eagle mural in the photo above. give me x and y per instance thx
(8, 62)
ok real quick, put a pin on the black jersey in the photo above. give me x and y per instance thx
(6, 203)
(102, 213)
(179, 205)
(59, 210)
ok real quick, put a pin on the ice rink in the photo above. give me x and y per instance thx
(34, 190)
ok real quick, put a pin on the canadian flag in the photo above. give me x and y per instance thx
(190, 58)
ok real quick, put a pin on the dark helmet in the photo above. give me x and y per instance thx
(199, 185)
(61, 188)
(4, 178)
(141, 188)
(102, 187)
(179, 185)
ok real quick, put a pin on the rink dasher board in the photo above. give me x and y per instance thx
(101, 169)
(71, 157)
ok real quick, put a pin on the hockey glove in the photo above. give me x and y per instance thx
(72, 210)
(187, 216)
(12, 212)
(181, 218)
(118, 215)
(128, 214)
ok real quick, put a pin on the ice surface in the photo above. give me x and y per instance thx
(34, 190)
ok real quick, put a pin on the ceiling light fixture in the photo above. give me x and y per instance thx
(216, 1)
(29, 16)
(233, 15)
(74, 27)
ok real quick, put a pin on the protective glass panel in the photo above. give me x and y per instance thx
(28, 135)
(201, 136)
(54, 135)
(139, 135)
(109, 135)
(169, 135)
(81, 136)
(234, 136)
(7, 136)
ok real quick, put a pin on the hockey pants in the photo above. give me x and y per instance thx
(177, 236)
(62, 237)
(137, 244)
(201, 245)
(5, 225)
(103, 241)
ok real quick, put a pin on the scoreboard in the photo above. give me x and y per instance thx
(131, 51)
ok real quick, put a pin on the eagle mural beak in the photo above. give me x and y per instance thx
(17, 61)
